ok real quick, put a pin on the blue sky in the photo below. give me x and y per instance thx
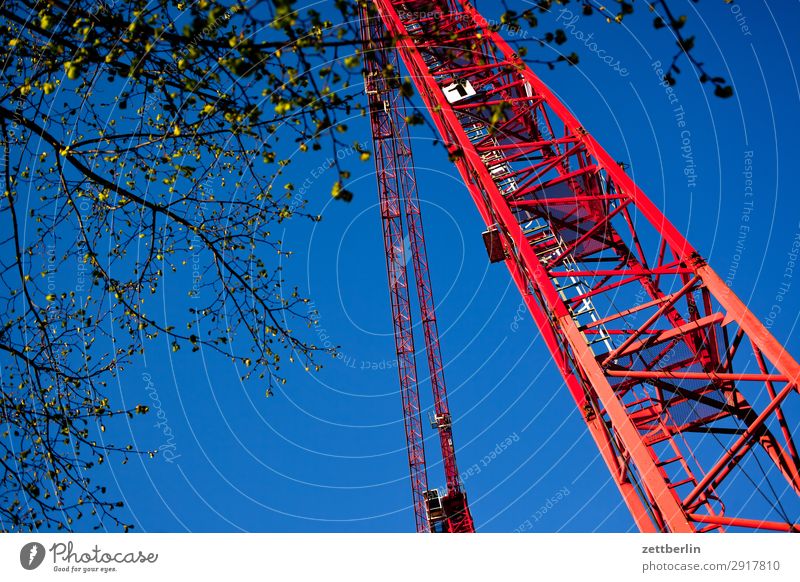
(327, 453)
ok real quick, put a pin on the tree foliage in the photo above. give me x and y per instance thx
(140, 141)
(663, 12)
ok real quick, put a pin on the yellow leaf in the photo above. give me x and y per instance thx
(73, 70)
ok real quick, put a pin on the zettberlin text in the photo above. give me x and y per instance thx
(666, 549)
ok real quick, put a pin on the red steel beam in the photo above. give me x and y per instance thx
(696, 376)
(748, 523)
(743, 441)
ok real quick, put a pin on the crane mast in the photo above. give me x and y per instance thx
(665, 363)
(401, 220)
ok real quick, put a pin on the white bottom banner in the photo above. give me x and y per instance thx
(355, 557)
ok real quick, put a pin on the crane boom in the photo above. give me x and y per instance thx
(657, 352)
(400, 211)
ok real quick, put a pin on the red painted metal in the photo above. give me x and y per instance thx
(400, 208)
(652, 344)
(386, 155)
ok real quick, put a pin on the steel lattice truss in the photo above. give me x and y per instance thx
(400, 214)
(661, 357)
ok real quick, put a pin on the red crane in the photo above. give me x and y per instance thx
(400, 214)
(664, 361)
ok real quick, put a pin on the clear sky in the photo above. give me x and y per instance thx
(328, 453)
